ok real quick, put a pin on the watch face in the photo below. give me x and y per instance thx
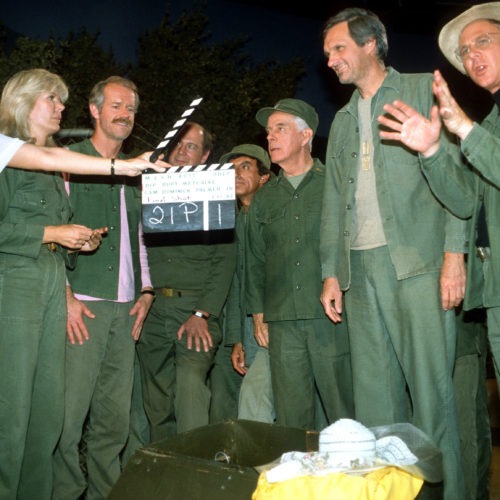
(200, 314)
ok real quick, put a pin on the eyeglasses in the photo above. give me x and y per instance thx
(482, 42)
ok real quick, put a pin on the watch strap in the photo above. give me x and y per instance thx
(201, 315)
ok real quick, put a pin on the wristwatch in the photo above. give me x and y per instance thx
(201, 315)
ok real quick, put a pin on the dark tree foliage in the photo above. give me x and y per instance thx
(28, 53)
(177, 61)
(83, 64)
(78, 59)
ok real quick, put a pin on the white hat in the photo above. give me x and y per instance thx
(450, 33)
(349, 447)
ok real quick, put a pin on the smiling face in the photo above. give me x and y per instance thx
(189, 149)
(116, 117)
(482, 64)
(45, 117)
(350, 62)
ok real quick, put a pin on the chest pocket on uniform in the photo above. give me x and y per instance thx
(273, 224)
(337, 149)
(342, 162)
(270, 215)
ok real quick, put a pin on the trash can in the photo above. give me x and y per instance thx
(211, 462)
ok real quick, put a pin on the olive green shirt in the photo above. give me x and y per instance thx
(236, 307)
(199, 266)
(29, 201)
(463, 190)
(417, 228)
(283, 272)
(96, 203)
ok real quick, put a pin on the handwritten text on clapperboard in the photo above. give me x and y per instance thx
(190, 198)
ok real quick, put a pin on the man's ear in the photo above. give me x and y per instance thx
(307, 133)
(205, 157)
(94, 111)
(264, 178)
(370, 45)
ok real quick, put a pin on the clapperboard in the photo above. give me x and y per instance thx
(169, 136)
(189, 198)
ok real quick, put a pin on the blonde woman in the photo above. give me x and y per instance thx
(35, 242)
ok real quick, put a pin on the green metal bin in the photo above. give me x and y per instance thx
(211, 462)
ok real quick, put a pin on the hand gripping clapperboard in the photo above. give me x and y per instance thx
(188, 198)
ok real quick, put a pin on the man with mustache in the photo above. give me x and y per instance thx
(108, 300)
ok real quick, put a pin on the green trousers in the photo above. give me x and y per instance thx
(139, 433)
(33, 324)
(469, 378)
(403, 353)
(225, 383)
(256, 400)
(174, 378)
(308, 356)
(99, 377)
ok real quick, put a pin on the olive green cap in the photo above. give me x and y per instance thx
(251, 150)
(294, 107)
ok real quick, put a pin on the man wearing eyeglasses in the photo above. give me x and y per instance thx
(468, 184)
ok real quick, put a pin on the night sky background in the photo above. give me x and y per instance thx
(277, 31)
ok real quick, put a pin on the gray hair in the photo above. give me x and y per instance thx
(302, 125)
(363, 25)
(97, 93)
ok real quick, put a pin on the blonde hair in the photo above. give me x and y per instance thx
(19, 96)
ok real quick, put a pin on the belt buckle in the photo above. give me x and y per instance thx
(52, 246)
(167, 292)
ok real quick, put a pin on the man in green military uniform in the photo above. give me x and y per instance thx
(249, 397)
(283, 276)
(390, 246)
(106, 308)
(468, 184)
(191, 275)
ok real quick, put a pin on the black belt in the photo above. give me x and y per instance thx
(174, 292)
(483, 253)
(51, 247)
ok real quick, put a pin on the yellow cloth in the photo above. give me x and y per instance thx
(389, 483)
